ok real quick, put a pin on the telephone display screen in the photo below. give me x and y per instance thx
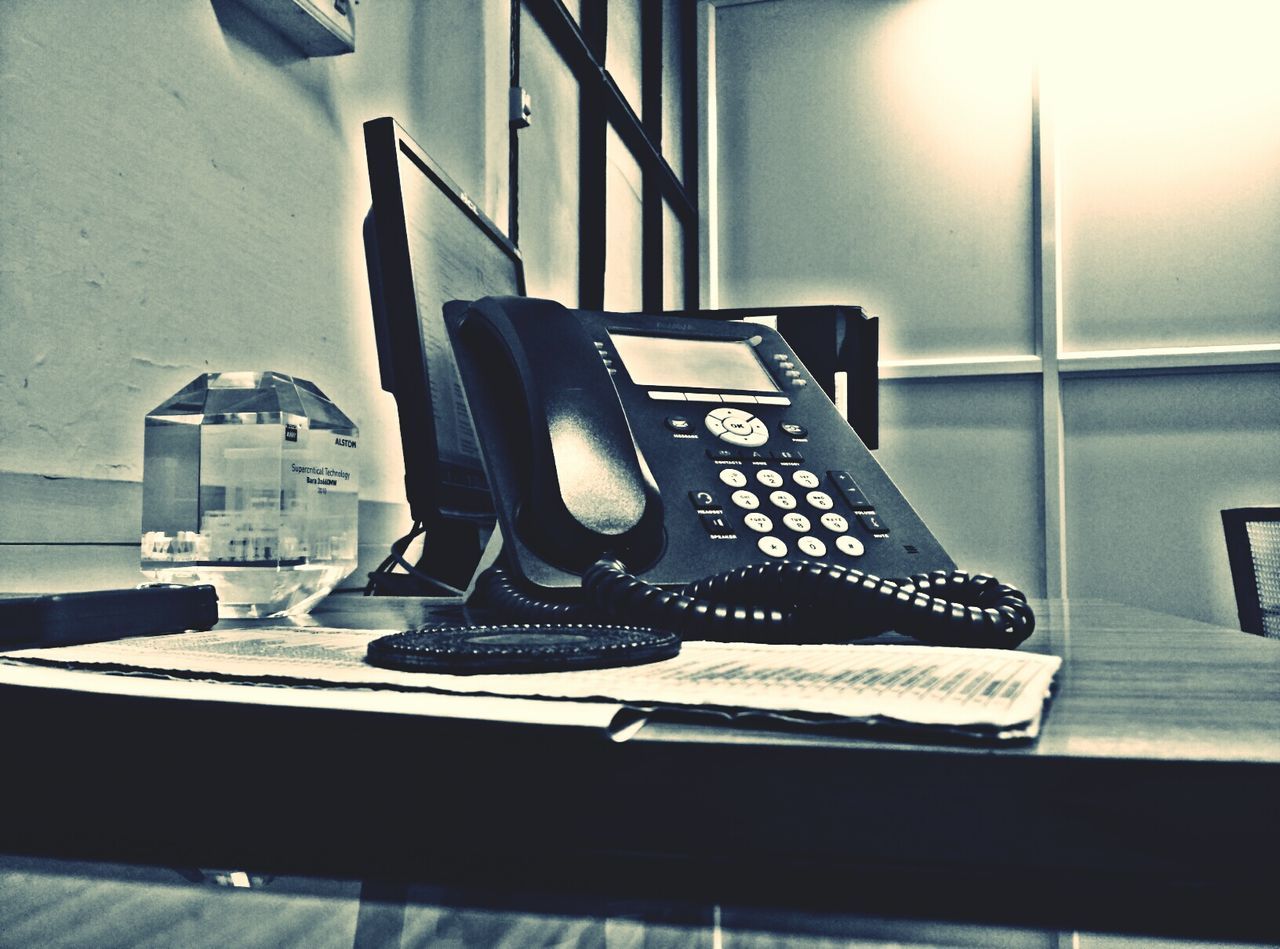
(692, 363)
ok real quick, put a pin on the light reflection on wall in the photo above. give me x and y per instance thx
(1168, 127)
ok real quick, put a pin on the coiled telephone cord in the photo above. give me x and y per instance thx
(794, 601)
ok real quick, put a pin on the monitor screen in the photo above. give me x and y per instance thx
(427, 243)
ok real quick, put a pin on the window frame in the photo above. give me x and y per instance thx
(582, 45)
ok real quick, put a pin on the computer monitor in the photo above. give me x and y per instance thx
(426, 242)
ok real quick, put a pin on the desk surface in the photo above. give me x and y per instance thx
(1149, 798)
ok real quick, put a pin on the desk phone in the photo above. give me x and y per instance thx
(691, 475)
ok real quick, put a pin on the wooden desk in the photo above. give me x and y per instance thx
(1149, 802)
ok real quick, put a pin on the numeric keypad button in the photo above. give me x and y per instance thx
(782, 499)
(796, 521)
(849, 545)
(836, 523)
(758, 522)
(745, 500)
(769, 478)
(733, 477)
(772, 546)
(812, 547)
(819, 499)
(806, 479)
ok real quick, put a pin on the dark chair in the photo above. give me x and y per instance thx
(1253, 550)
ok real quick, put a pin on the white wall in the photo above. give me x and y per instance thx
(881, 153)
(183, 191)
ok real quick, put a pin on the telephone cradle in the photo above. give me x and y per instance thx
(689, 475)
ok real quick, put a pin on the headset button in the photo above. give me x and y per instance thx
(704, 501)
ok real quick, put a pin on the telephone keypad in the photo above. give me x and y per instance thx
(741, 428)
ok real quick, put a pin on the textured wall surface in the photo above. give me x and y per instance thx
(183, 191)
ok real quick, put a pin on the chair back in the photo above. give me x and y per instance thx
(1253, 550)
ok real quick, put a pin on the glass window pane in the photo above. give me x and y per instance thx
(880, 154)
(1170, 175)
(672, 260)
(1150, 463)
(623, 282)
(966, 454)
(673, 86)
(622, 49)
(548, 213)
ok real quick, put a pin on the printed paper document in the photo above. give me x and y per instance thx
(987, 693)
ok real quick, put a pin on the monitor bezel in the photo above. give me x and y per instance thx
(402, 357)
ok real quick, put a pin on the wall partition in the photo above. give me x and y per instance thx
(1072, 240)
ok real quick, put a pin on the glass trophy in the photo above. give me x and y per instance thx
(250, 483)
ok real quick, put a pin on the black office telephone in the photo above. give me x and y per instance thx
(690, 475)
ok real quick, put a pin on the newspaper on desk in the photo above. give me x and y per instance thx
(982, 693)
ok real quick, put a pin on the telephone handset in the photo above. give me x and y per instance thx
(690, 475)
